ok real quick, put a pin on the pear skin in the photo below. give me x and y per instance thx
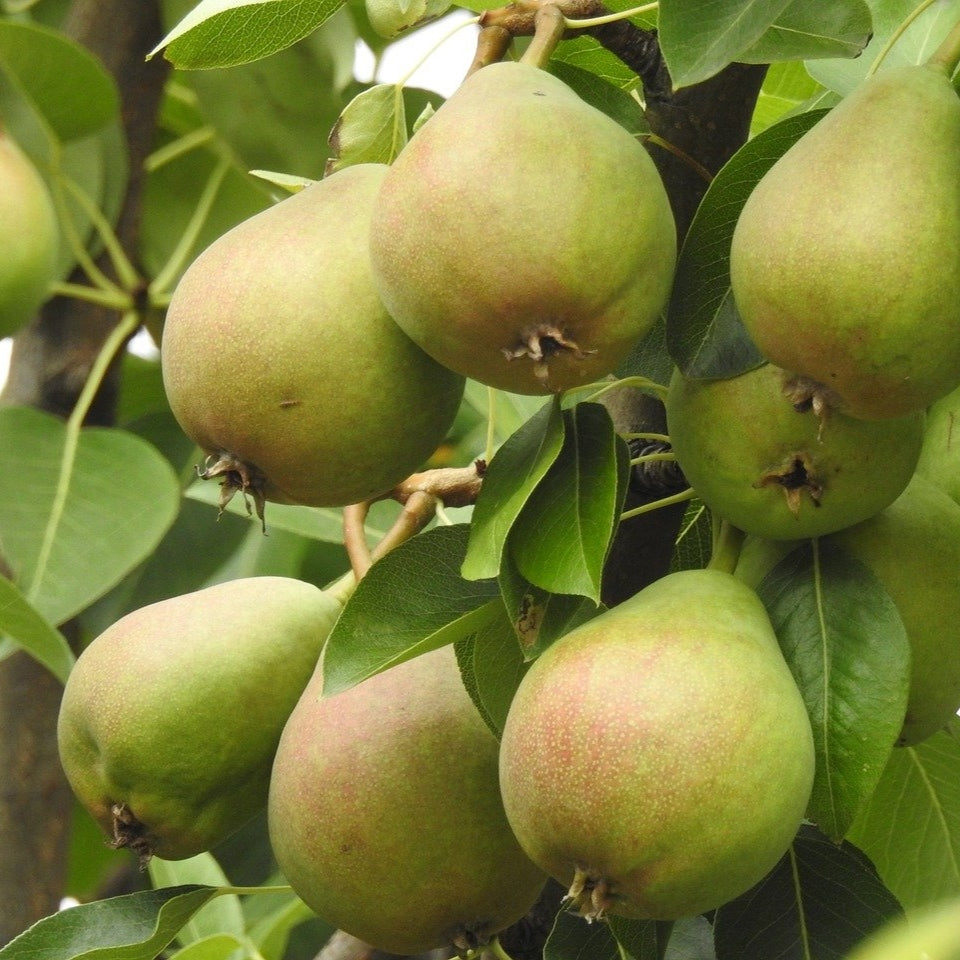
(940, 455)
(845, 262)
(659, 758)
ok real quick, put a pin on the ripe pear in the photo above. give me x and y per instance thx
(779, 472)
(940, 455)
(931, 933)
(522, 237)
(913, 548)
(28, 238)
(385, 815)
(659, 758)
(845, 263)
(280, 360)
(170, 718)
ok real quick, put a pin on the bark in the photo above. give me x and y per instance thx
(49, 365)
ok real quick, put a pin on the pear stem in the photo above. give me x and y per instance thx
(549, 27)
(947, 55)
(727, 542)
(680, 497)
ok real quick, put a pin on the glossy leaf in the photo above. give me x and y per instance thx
(219, 946)
(847, 648)
(21, 623)
(133, 927)
(271, 933)
(705, 334)
(222, 33)
(587, 54)
(694, 542)
(411, 601)
(806, 31)
(785, 87)
(563, 534)
(700, 37)
(75, 522)
(691, 939)
(511, 477)
(572, 938)
(371, 129)
(910, 827)
(818, 901)
(606, 97)
(642, 939)
(64, 82)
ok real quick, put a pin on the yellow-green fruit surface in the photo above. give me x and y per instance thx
(277, 351)
(776, 472)
(661, 749)
(845, 263)
(28, 238)
(518, 209)
(930, 934)
(913, 548)
(385, 814)
(940, 455)
(174, 712)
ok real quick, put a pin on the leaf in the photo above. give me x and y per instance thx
(785, 87)
(847, 648)
(910, 826)
(691, 939)
(218, 946)
(587, 54)
(806, 31)
(223, 33)
(511, 477)
(700, 37)
(603, 95)
(411, 601)
(694, 543)
(271, 933)
(818, 901)
(371, 129)
(72, 524)
(507, 411)
(572, 938)
(642, 939)
(133, 927)
(221, 915)
(563, 534)
(705, 335)
(64, 82)
(32, 633)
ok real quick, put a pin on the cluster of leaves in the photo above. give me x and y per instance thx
(101, 521)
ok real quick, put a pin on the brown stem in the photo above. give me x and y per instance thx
(493, 41)
(355, 537)
(548, 30)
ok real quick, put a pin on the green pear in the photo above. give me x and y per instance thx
(171, 717)
(280, 361)
(931, 933)
(845, 263)
(659, 758)
(940, 455)
(522, 237)
(913, 548)
(28, 238)
(780, 472)
(385, 815)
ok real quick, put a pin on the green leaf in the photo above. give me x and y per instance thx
(605, 96)
(65, 83)
(31, 632)
(694, 543)
(74, 522)
(411, 601)
(699, 38)
(847, 648)
(508, 411)
(818, 902)
(133, 927)
(705, 335)
(691, 939)
(910, 827)
(563, 534)
(785, 87)
(371, 129)
(806, 31)
(511, 477)
(218, 946)
(642, 939)
(271, 933)
(587, 54)
(221, 915)
(572, 938)
(223, 33)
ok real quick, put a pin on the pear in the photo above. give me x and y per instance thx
(845, 263)
(659, 758)
(385, 814)
(930, 933)
(913, 548)
(522, 237)
(280, 361)
(940, 455)
(28, 238)
(780, 472)
(170, 718)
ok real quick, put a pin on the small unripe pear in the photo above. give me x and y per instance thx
(931, 933)
(385, 813)
(845, 262)
(280, 360)
(522, 237)
(28, 238)
(170, 718)
(659, 758)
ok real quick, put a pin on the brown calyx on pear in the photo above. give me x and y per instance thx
(522, 237)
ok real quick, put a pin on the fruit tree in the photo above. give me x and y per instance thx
(517, 524)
